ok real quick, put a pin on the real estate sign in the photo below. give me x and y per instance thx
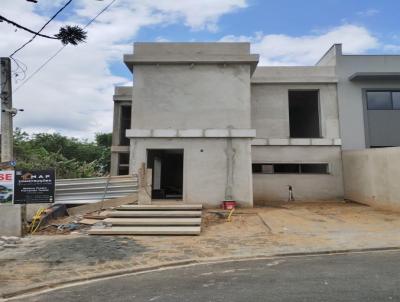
(34, 186)
(6, 186)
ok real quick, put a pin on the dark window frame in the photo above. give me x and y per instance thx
(391, 91)
(257, 168)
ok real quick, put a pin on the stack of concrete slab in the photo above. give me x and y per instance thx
(154, 219)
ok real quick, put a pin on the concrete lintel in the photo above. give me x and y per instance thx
(300, 141)
(278, 141)
(259, 142)
(216, 133)
(190, 133)
(138, 133)
(120, 149)
(337, 141)
(182, 133)
(243, 132)
(321, 141)
(122, 98)
(165, 133)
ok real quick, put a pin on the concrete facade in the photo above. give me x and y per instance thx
(195, 97)
(232, 118)
(372, 177)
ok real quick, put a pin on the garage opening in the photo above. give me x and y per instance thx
(167, 179)
(304, 114)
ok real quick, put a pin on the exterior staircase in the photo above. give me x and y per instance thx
(153, 219)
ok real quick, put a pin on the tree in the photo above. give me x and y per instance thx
(70, 157)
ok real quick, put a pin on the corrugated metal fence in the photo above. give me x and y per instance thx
(90, 190)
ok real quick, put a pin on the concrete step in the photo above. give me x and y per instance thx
(154, 213)
(153, 221)
(160, 207)
(147, 230)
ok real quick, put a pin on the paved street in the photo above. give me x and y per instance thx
(348, 277)
(39, 261)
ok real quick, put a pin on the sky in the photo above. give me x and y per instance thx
(72, 94)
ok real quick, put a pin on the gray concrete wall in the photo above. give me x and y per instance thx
(190, 97)
(205, 167)
(12, 218)
(270, 109)
(372, 177)
(274, 187)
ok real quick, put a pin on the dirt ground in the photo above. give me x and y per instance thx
(280, 228)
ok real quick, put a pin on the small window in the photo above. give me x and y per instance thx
(263, 168)
(296, 168)
(125, 124)
(286, 168)
(379, 100)
(124, 158)
(123, 171)
(314, 168)
(396, 99)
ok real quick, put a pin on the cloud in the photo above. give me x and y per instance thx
(73, 93)
(278, 49)
(393, 48)
(368, 13)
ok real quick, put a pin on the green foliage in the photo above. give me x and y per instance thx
(70, 157)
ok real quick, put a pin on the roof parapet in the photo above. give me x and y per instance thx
(191, 53)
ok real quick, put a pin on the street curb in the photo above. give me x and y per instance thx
(175, 264)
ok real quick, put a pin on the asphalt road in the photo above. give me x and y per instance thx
(351, 277)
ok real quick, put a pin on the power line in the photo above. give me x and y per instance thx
(62, 48)
(43, 27)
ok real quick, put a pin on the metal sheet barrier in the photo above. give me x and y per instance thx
(90, 190)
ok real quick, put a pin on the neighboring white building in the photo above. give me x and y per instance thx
(213, 126)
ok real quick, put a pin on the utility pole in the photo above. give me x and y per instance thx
(7, 111)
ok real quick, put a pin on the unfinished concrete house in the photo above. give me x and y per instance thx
(213, 126)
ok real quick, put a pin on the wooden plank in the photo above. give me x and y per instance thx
(154, 214)
(164, 230)
(153, 221)
(88, 221)
(144, 207)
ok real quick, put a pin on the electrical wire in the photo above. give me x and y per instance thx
(59, 50)
(43, 27)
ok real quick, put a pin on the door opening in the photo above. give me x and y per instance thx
(167, 178)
